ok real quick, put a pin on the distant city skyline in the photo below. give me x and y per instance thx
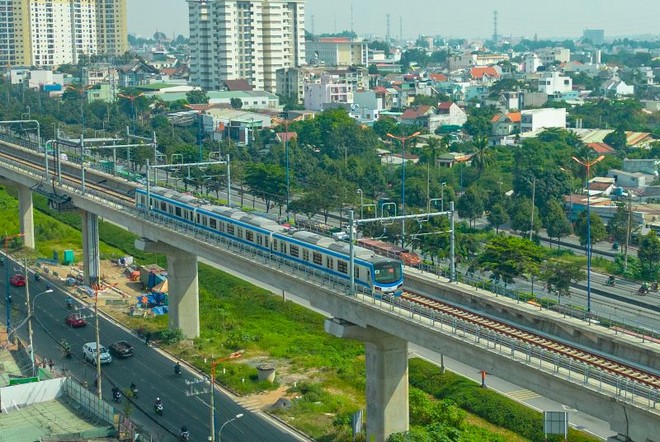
(565, 19)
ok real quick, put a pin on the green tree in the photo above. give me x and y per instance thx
(649, 254)
(497, 216)
(267, 181)
(482, 153)
(236, 103)
(559, 274)
(617, 226)
(521, 216)
(470, 205)
(197, 96)
(509, 257)
(477, 126)
(597, 228)
(557, 224)
(617, 139)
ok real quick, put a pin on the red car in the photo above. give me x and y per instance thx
(18, 280)
(75, 320)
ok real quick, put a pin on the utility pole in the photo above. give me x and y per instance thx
(625, 253)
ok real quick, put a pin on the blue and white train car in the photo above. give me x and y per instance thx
(379, 274)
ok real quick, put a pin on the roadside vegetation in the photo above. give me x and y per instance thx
(238, 316)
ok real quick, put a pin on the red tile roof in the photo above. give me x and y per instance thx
(438, 77)
(445, 105)
(288, 136)
(514, 117)
(238, 85)
(479, 72)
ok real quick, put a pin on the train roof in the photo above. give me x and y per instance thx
(247, 218)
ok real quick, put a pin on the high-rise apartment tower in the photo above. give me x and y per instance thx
(249, 39)
(54, 32)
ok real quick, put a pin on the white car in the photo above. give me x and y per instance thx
(89, 353)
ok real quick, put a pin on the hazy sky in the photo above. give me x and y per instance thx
(451, 18)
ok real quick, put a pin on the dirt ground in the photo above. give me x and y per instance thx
(118, 293)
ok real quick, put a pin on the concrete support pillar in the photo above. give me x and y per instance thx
(91, 253)
(26, 215)
(183, 292)
(387, 378)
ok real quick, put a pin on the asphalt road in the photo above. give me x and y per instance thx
(150, 369)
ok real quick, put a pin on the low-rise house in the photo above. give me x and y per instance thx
(327, 91)
(554, 83)
(451, 159)
(646, 166)
(601, 148)
(450, 114)
(534, 119)
(617, 88)
(422, 116)
(505, 124)
(634, 180)
(486, 75)
(137, 73)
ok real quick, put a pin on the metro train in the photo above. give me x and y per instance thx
(378, 274)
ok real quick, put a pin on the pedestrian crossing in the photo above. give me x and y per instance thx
(522, 395)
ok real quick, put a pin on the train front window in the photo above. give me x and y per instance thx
(387, 272)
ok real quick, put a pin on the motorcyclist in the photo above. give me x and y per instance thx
(654, 286)
(644, 288)
(69, 303)
(37, 277)
(158, 406)
(116, 394)
(134, 389)
(177, 368)
(610, 280)
(185, 435)
(67, 348)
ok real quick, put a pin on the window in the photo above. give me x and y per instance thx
(305, 254)
(282, 247)
(213, 223)
(329, 262)
(230, 229)
(316, 257)
(177, 211)
(294, 251)
(357, 272)
(342, 266)
(239, 232)
(249, 235)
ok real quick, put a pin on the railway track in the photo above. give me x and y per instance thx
(614, 367)
(574, 353)
(99, 187)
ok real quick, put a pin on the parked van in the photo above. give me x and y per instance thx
(89, 353)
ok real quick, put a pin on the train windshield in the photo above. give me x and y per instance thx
(388, 272)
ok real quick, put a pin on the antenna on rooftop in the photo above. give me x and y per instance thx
(312, 24)
(496, 37)
(387, 33)
(352, 28)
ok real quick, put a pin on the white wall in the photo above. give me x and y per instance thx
(32, 393)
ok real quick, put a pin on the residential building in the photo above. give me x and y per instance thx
(554, 83)
(532, 63)
(51, 33)
(506, 124)
(631, 179)
(647, 166)
(534, 119)
(617, 88)
(252, 39)
(336, 51)
(597, 36)
(551, 56)
(450, 114)
(328, 90)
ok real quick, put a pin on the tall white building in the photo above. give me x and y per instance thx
(55, 32)
(251, 39)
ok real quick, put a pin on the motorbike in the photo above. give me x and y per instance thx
(116, 394)
(654, 287)
(37, 277)
(610, 282)
(184, 436)
(134, 391)
(69, 303)
(67, 349)
(158, 408)
(177, 369)
(643, 290)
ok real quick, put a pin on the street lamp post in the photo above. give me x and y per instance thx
(403, 181)
(587, 165)
(132, 98)
(7, 277)
(29, 317)
(359, 191)
(238, 416)
(214, 364)
(442, 196)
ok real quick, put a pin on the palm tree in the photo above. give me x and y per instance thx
(482, 154)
